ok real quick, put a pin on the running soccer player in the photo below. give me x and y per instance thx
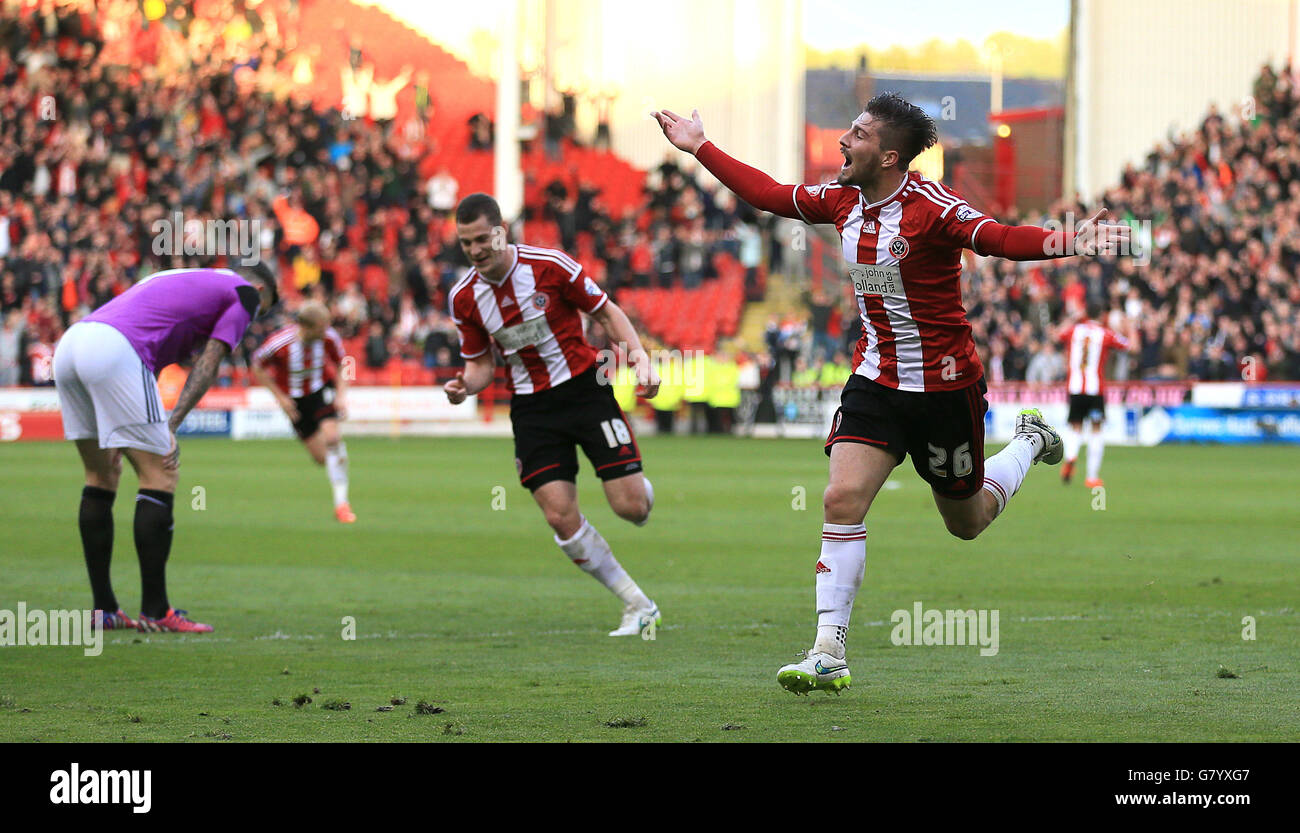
(306, 361)
(917, 386)
(1087, 344)
(105, 369)
(523, 303)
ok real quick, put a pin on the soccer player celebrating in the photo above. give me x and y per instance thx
(306, 376)
(917, 386)
(1087, 343)
(523, 303)
(104, 369)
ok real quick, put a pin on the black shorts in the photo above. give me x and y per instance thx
(943, 431)
(313, 409)
(1086, 406)
(551, 424)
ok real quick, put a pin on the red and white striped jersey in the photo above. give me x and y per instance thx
(530, 318)
(1086, 345)
(904, 258)
(298, 368)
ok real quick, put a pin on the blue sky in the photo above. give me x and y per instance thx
(837, 24)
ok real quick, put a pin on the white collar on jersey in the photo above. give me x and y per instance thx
(514, 264)
(907, 177)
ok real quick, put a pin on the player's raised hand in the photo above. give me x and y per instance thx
(685, 134)
(1095, 237)
(456, 390)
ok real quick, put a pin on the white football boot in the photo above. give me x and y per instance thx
(1030, 422)
(816, 672)
(637, 619)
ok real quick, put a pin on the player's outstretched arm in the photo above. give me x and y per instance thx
(750, 184)
(1091, 238)
(615, 322)
(475, 378)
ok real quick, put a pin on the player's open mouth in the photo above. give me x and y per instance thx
(847, 161)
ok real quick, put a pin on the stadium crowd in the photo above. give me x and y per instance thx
(124, 136)
(116, 125)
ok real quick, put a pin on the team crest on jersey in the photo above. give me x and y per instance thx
(540, 300)
(898, 247)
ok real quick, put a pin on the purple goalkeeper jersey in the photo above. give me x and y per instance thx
(170, 314)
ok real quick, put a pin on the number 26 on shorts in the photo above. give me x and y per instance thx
(961, 460)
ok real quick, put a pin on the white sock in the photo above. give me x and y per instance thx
(589, 550)
(1070, 439)
(840, 570)
(336, 464)
(650, 499)
(1096, 448)
(1006, 470)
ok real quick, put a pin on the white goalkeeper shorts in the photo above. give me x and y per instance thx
(106, 392)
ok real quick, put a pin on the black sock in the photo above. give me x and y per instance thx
(96, 522)
(153, 543)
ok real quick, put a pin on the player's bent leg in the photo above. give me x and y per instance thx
(95, 520)
(315, 445)
(590, 552)
(1004, 473)
(558, 500)
(1096, 449)
(1071, 440)
(334, 455)
(631, 497)
(966, 518)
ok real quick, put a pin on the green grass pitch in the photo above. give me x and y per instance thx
(1114, 623)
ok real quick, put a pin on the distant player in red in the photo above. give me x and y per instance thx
(523, 305)
(302, 365)
(1087, 343)
(917, 386)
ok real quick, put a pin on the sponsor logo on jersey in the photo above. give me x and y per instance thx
(869, 227)
(822, 568)
(591, 288)
(508, 302)
(898, 247)
(965, 213)
(869, 279)
(533, 331)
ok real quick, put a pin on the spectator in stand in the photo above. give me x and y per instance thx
(376, 346)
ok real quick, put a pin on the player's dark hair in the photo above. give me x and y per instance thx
(260, 273)
(907, 129)
(478, 205)
(1094, 309)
